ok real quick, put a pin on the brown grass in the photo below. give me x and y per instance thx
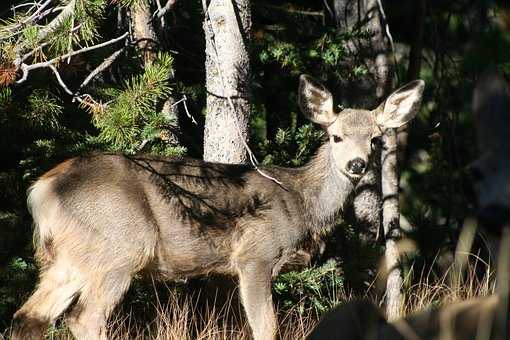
(474, 280)
(182, 318)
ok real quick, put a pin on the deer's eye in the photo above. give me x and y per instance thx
(337, 139)
(376, 141)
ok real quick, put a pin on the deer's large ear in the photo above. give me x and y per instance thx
(401, 106)
(315, 101)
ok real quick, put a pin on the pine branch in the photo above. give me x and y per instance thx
(27, 68)
(55, 23)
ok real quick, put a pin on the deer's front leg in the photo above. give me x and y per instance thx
(255, 287)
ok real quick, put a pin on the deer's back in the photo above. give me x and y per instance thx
(198, 213)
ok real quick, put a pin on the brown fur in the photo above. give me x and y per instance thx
(59, 169)
(101, 218)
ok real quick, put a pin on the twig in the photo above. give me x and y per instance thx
(295, 11)
(161, 18)
(103, 66)
(38, 11)
(328, 8)
(183, 100)
(27, 68)
(43, 45)
(253, 159)
(55, 23)
(16, 28)
(168, 6)
(26, 4)
(59, 79)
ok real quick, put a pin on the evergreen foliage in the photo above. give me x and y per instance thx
(317, 288)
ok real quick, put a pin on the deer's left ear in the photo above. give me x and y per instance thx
(401, 106)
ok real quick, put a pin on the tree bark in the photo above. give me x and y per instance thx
(227, 27)
(413, 71)
(374, 53)
(148, 44)
(143, 31)
(391, 224)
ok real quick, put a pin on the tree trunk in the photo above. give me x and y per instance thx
(374, 53)
(143, 31)
(227, 28)
(413, 71)
(391, 224)
(148, 44)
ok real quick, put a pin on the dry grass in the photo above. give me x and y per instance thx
(182, 317)
(474, 280)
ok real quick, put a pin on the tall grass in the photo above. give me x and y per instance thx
(182, 317)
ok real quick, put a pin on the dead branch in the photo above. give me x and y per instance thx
(55, 23)
(103, 66)
(295, 11)
(27, 68)
(59, 79)
(163, 10)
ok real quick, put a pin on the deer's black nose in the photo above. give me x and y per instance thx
(356, 166)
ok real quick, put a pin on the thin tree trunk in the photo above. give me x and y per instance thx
(227, 27)
(148, 44)
(391, 224)
(143, 31)
(413, 71)
(374, 53)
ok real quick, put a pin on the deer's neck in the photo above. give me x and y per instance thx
(325, 190)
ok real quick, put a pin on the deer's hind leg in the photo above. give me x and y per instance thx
(87, 319)
(58, 287)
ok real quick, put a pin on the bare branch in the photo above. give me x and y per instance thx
(162, 18)
(59, 79)
(38, 11)
(43, 45)
(55, 23)
(183, 100)
(27, 68)
(295, 11)
(162, 11)
(103, 66)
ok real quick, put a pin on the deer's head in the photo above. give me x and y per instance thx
(353, 133)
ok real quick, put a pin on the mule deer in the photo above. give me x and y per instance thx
(486, 318)
(101, 218)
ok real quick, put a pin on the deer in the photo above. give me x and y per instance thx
(487, 317)
(101, 218)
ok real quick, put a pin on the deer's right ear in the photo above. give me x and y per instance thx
(315, 101)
